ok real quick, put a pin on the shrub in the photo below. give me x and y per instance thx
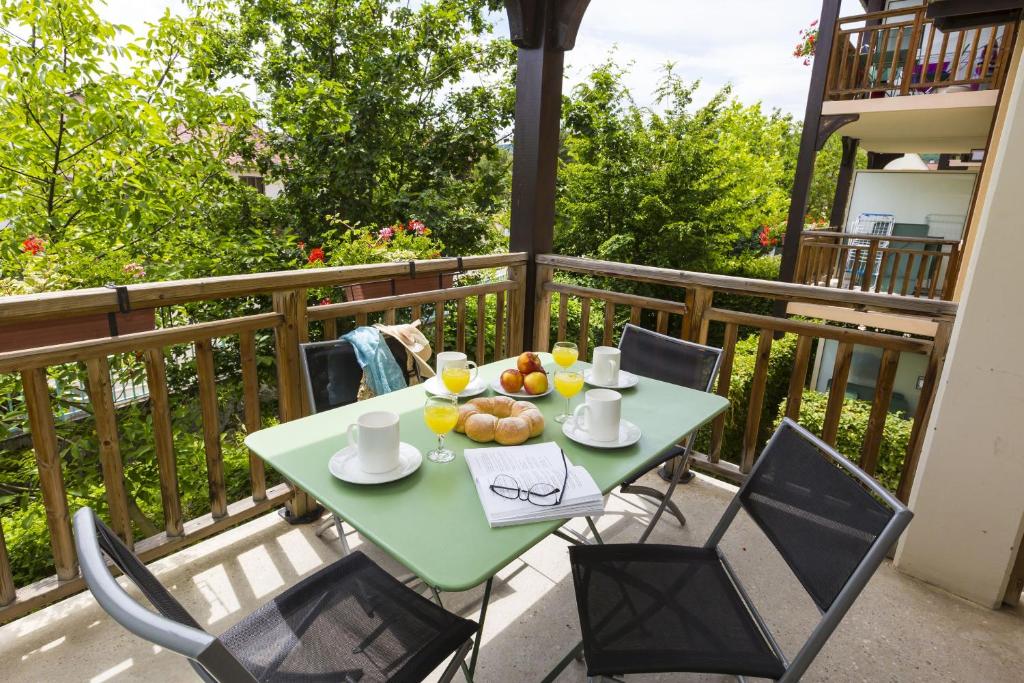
(853, 424)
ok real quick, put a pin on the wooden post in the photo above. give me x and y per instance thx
(211, 428)
(7, 589)
(808, 142)
(292, 305)
(251, 401)
(163, 439)
(847, 166)
(542, 30)
(698, 300)
(102, 399)
(517, 335)
(51, 480)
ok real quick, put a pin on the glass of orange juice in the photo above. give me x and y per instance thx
(565, 353)
(457, 374)
(441, 413)
(568, 383)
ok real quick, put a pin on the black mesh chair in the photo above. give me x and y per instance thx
(350, 621)
(332, 375)
(684, 363)
(665, 608)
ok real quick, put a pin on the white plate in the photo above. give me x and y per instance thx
(626, 380)
(345, 466)
(435, 386)
(521, 395)
(629, 434)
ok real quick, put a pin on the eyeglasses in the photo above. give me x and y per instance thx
(542, 493)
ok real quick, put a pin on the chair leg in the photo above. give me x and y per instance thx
(666, 502)
(458, 660)
(659, 497)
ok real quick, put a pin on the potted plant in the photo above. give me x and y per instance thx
(390, 244)
(44, 272)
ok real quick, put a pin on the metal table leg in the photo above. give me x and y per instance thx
(564, 663)
(480, 631)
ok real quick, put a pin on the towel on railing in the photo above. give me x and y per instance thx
(381, 370)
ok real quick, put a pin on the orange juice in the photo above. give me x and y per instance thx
(565, 356)
(568, 384)
(455, 379)
(441, 419)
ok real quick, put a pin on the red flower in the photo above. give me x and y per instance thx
(765, 237)
(325, 301)
(33, 245)
(418, 227)
(316, 255)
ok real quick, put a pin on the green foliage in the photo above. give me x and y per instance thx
(398, 242)
(826, 175)
(676, 189)
(853, 424)
(378, 110)
(780, 365)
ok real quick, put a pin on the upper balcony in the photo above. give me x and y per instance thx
(881, 62)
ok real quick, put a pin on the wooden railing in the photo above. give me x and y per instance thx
(900, 52)
(701, 318)
(289, 320)
(911, 266)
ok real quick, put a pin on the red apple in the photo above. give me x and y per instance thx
(512, 381)
(528, 362)
(536, 383)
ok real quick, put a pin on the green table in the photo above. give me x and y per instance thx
(432, 521)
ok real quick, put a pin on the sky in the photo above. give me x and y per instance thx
(748, 43)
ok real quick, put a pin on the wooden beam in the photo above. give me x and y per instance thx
(808, 141)
(829, 124)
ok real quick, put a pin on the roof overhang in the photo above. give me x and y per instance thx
(951, 15)
(947, 123)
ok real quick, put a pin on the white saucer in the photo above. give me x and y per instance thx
(345, 466)
(626, 380)
(521, 395)
(629, 434)
(435, 386)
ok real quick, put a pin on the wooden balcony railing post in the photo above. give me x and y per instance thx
(211, 428)
(7, 588)
(163, 439)
(698, 300)
(911, 59)
(51, 479)
(292, 305)
(541, 333)
(102, 399)
(755, 405)
(253, 416)
(936, 359)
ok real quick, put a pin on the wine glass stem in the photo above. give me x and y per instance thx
(440, 442)
(567, 401)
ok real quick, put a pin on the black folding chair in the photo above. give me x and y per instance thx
(332, 376)
(350, 621)
(666, 608)
(684, 363)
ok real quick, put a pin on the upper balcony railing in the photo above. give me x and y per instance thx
(900, 52)
(482, 314)
(922, 267)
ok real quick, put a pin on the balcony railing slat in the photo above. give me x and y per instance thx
(102, 399)
(499, 325)
(460, 325)
(563, 314)
(481, 329)
(879, 410)
(211, 427)
(251, 404)
(7, 588)
(797, 380)
(438, 325)
(756, 402)
(51, 479)
(609, 324)
(163, 439)
(722, 389)
(837, 393)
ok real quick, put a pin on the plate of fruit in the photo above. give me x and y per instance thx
(527, 380)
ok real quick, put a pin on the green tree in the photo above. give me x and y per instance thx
(378, 111)
(107, 141)
(678, 188)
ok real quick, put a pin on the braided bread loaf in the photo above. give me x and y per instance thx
(501, 419)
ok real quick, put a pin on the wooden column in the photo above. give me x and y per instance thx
(847, 166)
(809, 140)
(542, 30)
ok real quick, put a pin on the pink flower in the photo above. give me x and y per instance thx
(386, 233)
(136, 270)
(418, 227)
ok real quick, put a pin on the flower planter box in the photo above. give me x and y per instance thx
(403, 285)
(33, 334)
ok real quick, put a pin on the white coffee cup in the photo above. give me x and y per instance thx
(446, 357)
(600, 413)
(605, 365)
(374, 435)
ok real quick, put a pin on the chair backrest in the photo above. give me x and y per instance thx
(332, 373)
(830, 522)
(658, 356)
(172, 627)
